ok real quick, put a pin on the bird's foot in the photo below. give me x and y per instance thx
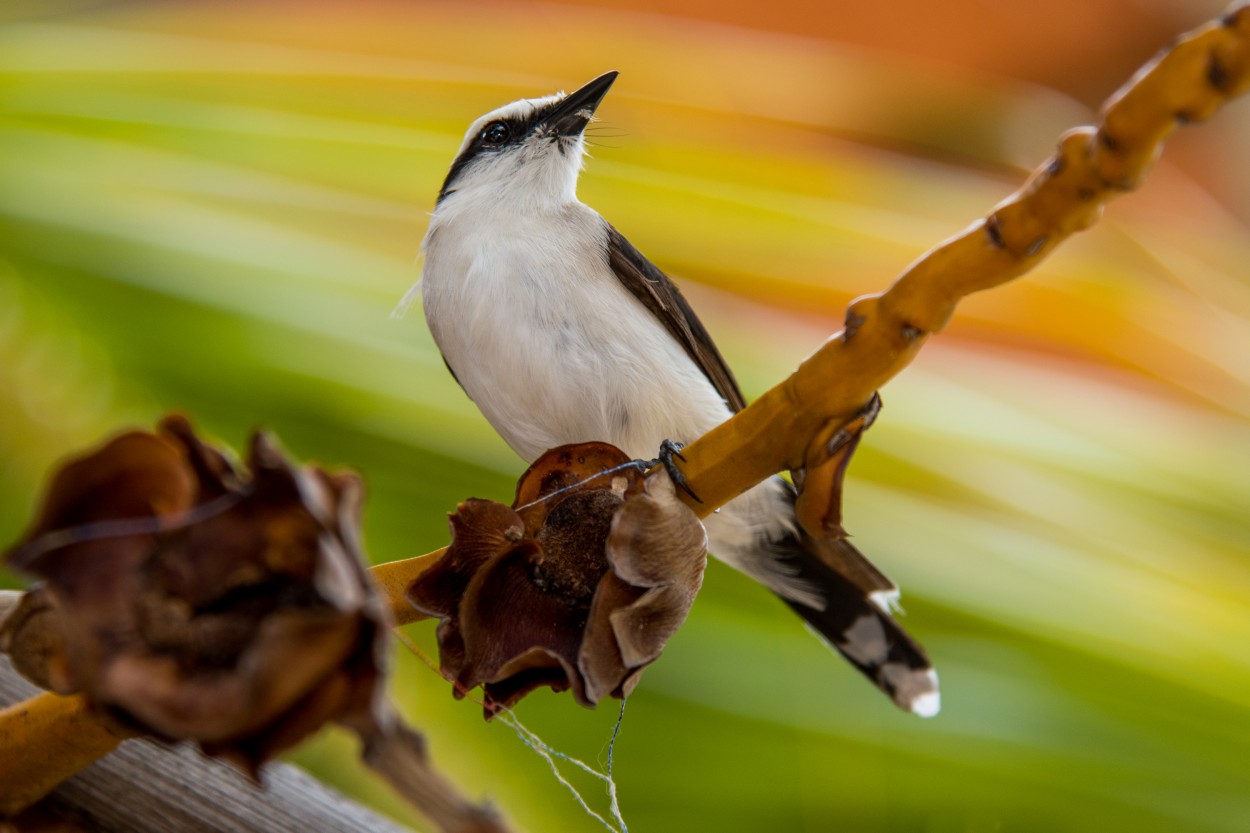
(668, 450)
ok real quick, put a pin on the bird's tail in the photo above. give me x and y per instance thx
(846, 600)
(856, 618)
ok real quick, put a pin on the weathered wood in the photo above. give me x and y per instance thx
(147, 787)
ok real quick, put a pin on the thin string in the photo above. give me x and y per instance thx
(547, 753)
(150, 525)
(632, 464)
(123, 527)
(614, 806)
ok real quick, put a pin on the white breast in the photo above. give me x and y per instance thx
(547, 342)
(554, 350)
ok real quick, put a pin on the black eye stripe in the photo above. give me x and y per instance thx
(515, 128)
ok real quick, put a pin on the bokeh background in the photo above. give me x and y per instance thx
(215, 207)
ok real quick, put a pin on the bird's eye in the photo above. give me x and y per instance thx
(495, 133)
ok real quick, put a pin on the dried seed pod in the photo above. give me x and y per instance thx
(577, 586)
(193, 600)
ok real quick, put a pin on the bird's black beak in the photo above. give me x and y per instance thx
(570, 116)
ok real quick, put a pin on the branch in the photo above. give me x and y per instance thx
(884, 332)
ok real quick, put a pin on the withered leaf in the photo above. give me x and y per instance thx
(194, 600)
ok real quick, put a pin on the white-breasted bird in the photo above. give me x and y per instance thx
(561, 331)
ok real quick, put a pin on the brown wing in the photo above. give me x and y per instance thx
(658, 294)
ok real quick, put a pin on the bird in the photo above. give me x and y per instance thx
(561, 331)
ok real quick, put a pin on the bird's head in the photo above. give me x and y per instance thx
(530, 148)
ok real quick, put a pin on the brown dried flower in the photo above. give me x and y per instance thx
(191, 600)
(578, 585)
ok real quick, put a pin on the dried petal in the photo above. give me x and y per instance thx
(579, 467)
(482, 530)
(600, 659)
(656, 543)
(511, 626)
(31, 637)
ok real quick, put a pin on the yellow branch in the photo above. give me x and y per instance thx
(45, 740)
(393, 579)
(1187, 83)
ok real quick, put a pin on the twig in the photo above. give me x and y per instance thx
(883, 332)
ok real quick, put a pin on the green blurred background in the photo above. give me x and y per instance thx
(215, 207)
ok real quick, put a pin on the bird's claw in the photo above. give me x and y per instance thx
(668, 450)
(860, 423)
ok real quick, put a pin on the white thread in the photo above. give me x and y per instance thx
(548, 754)
(614, 805)
(632, 464)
